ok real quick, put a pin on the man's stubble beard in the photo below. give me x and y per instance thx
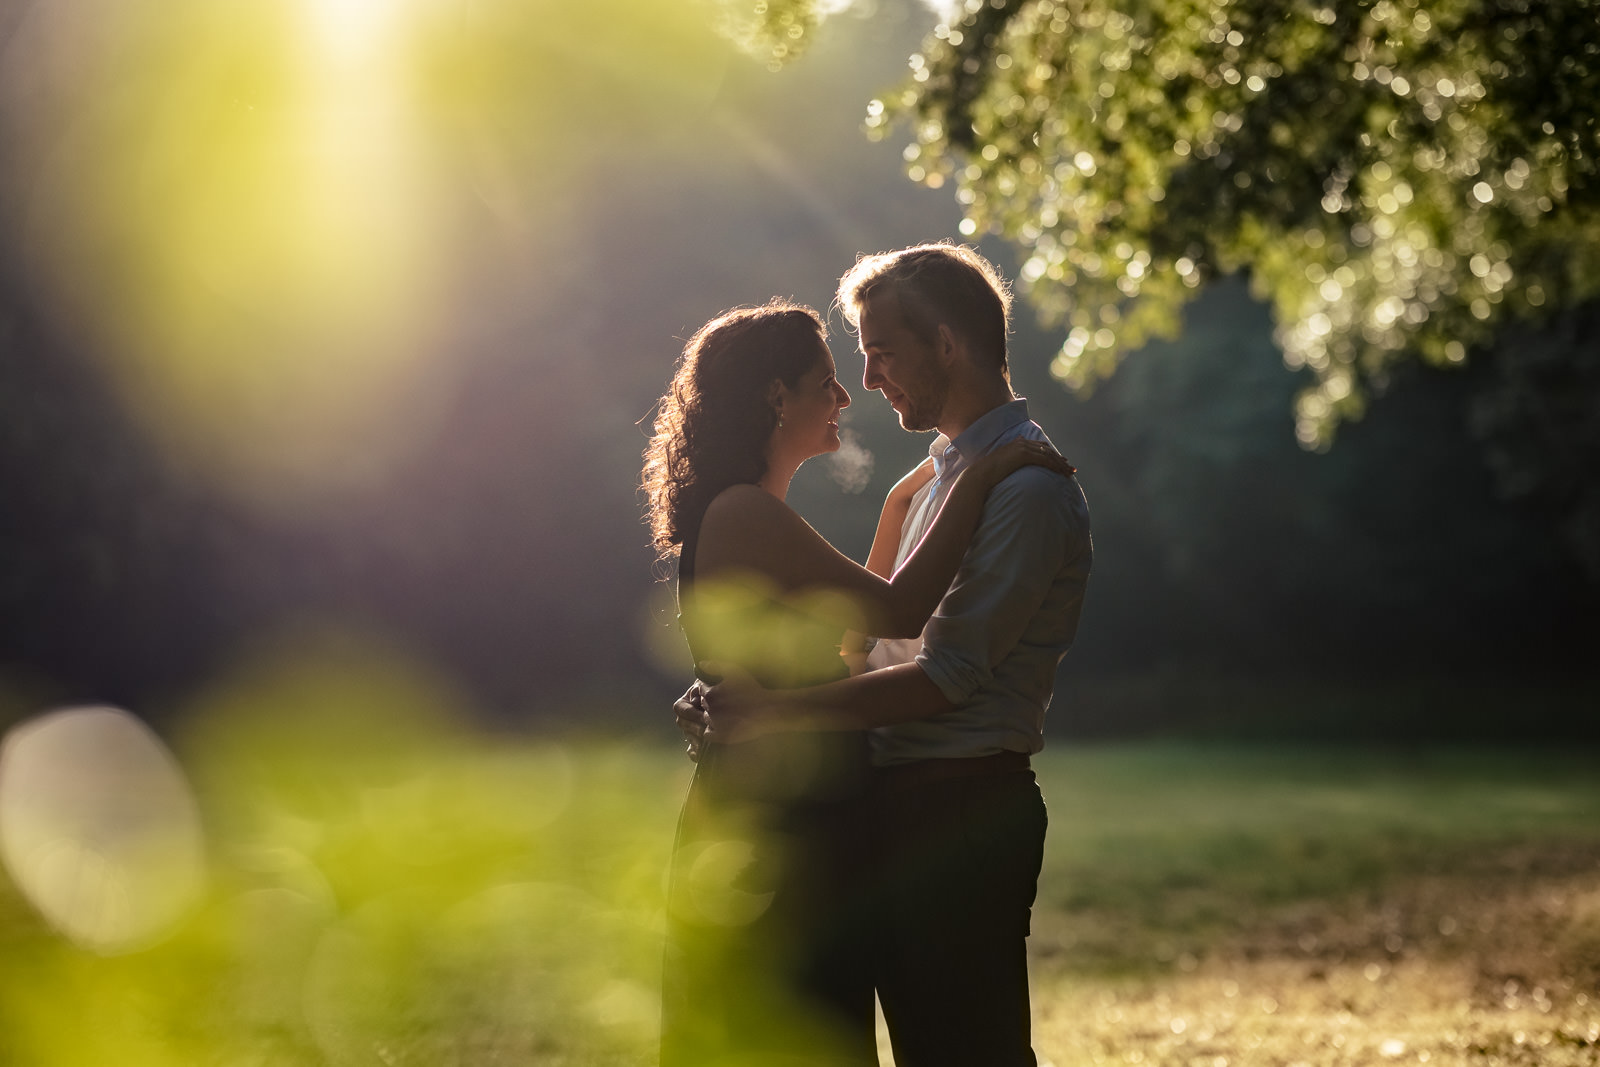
(925, 406)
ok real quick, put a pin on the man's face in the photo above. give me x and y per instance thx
(905, 368)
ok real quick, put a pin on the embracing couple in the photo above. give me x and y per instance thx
(862, 822)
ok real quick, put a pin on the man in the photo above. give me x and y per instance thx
(955, 818)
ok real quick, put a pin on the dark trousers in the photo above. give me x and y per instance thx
(766, 961)
(954, 880)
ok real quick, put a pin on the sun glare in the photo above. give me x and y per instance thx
(355, 32)
(262, 217)
(267, 288)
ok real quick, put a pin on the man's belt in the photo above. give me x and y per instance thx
(925, 771)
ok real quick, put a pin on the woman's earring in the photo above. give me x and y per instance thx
(780, 420)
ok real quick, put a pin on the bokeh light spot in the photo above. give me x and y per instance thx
(98, 827)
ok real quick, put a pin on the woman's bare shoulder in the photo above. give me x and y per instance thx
(749, 533)
(742, 502)
(742, 517)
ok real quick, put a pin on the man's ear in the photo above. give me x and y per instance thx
(948, 346)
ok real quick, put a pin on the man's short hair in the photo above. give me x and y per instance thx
(936, 284)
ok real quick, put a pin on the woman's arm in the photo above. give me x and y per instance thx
(739, 710)
(885, 547)
(748, 530)
(896, 506)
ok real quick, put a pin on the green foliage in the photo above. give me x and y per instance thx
(1396, 177)
(438, 898)
(770, 30)
(435, 899)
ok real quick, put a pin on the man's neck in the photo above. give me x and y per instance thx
(969, 402)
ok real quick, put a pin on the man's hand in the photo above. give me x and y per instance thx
(690, 710)
(737, 709)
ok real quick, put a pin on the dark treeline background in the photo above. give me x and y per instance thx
(1389, 588)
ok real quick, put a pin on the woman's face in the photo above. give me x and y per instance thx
(811, 408)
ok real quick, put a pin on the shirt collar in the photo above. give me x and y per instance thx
(978, 438)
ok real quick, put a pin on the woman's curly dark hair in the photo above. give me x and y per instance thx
(713, 423)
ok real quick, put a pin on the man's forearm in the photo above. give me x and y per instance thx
(901, 693)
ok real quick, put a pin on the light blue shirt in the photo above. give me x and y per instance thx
(993, 644)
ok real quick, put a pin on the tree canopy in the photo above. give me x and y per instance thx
(1398, 179)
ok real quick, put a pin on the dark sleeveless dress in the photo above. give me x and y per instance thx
(765, 964)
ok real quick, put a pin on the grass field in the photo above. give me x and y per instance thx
(442, 900)
(1280, 906)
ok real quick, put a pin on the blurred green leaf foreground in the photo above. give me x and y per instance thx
(389, 892)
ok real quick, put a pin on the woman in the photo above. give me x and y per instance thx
(761, 965)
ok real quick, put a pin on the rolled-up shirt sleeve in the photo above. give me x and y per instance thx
(1023, 540)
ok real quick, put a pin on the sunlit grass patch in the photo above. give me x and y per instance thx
(1211, 906)
(1288, 1012)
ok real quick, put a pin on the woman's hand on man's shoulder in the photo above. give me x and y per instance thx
(1014, 455)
